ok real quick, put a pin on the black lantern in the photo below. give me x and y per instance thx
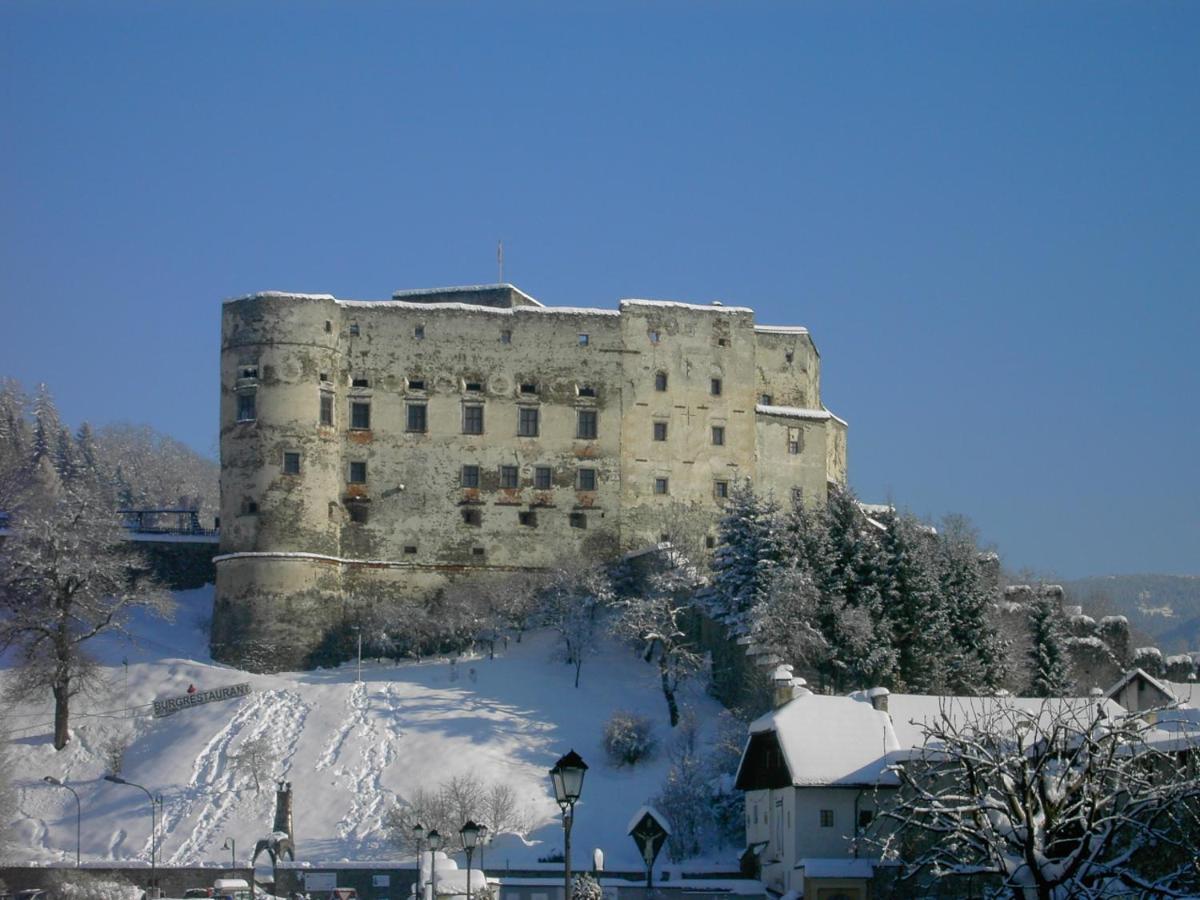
(567, 778)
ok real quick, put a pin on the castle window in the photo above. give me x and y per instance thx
(470, 476)
(291, 462)
(529, 387)
(661, 486)
(660, 431)
(248, 372)
(357, 512)
(789, 356)
(527, 421)
(587, 480)
(542, 478)
(478, 551)
(654, 336)
(578, 520)
(472, 517)
(417, 419)
(360, 415)
(416, 384)
(472, 419)
(326, 414)
(410, 549)
(586, 390)
(720, 489)
(358, 472)
(767, 400)
(474, 387)
(361, 381)
(249, 507)
(324, 377)
(795, 441)
(328, 326)
(419, 332)
(718, 435)
(660, 381)
(510, 477)
(709, 543)
(722, 342)
(826, 818)
(354, 329)
(528, 518)
(506, 336)
(246, 407)
(714, 387)
(585, 424)
(583, 340)
(797, 496)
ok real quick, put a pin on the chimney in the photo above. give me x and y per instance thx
(781, 682)
(879, 698)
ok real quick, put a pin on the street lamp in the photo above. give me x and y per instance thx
(567, 777)
(435, 844)
(470, 837)
(418, 831)
(484, 837)
(49, 779)
(116, 779)
(231, 845)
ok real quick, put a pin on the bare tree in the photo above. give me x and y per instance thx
(447, 807)
(1069, 798)
(257, 757)
(573, 602)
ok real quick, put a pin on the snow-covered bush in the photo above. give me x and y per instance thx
(85, 886)
(585, 887)
(628, 738)
(1181, 667)
(1150, 661)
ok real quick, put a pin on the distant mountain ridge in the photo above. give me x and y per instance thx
(1165, 607)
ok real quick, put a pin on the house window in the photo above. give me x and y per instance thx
(527, 421)
(246, 407)
(767, 400)
(509, 477)
(357, 512)
(865, 817)
(472, 419)
(354, 329)
(360, 381)
(529, 387)
(577, 520)
(827, 818)
(714, 387)
(410, 549)
(417, 417)
(587, 479)
(419, 332)
(291, 462)
(585, 424)
(718, 435)
(472, 517)
(528, 518)
(416, 384)
(583, 340)
(720, 489)
(654, 336)
(541, 478)
(470, 476)
(326, 415)
(661, 485)
(795, 441)
(506, 336)
(660, 431)
(586, 390)
(358, 472)
(709, 543)
(660, 381)
(360, 415)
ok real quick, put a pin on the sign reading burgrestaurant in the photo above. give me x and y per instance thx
(173, 705)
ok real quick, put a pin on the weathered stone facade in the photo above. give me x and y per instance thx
(390, 445)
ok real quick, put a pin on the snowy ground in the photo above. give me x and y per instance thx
(349, 749)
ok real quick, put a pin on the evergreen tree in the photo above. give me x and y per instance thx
(1049, 664)
(748, 549)
(805, 544)
(914, 606)
(975, 652)
(46, 425)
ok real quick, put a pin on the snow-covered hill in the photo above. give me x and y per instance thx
(350, 749)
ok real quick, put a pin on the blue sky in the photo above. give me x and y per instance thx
(988, 214)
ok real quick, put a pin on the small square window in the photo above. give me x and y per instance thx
(358, 472)
(767, 400)
(827, 818)
(246, 407)
(720, 489)
(357, 512)
(585, 424)
(248, 372)
(664, 538)
(474, 387)
(660, 381)
(714, 387)
(542, 478)
(410, 549)
(583, 340)
(527, 421)
(417, 418)
(354, 329)
(587, 391)
(529, 387)
(470, 476)
(654, 336)
(528, 518)
(587, 479)
(324, 377)
(865, 817)
(291, 462)
(510, 477)
(661, 486)
(722, 342)
(660, 431)
(416, 384)
(472, 517)
(718, 435)
(326, 409)
(360, 381)
(709, 541)
(419, 332)
(360, 415)
(249, 507)
(478, 551)
(578, 520)
(506, 337)
(472, 419)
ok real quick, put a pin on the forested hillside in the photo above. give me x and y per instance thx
(1165, 607)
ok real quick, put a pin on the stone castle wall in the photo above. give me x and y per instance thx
(598, 427)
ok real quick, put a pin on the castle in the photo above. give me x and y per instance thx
(375, 448)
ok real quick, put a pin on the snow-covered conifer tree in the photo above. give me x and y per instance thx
(914, 607)
(975, 652)
(1049, 662)
(748, 548)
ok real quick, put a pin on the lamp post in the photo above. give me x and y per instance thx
(49, 779)
(231, 845)
(484, 837)
(153, 887)
(418, 831)
(435, 844)
(567, 778)
(470, 837)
